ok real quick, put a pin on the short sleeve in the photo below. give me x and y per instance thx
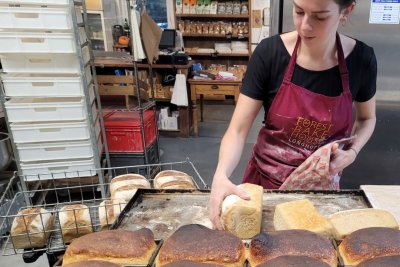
(368, 83)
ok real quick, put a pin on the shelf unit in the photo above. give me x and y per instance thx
(49, 90)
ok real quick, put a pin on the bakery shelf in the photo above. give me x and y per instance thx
(217, 16)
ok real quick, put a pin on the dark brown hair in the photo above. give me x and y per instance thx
(344, 3)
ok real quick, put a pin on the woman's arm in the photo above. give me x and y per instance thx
(363, 128)
(230, 152)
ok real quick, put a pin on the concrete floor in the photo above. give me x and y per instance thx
(377, 163)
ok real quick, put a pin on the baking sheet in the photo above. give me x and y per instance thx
(164, 212)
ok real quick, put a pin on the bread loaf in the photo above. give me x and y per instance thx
(267, 246)
(92, 264)
(125, 186)
(74, 221)
(200, 244)
(109, 211)
(388, 261)
(191, 264)
(116, 246)
(243, 217)
(171, 179)
(369, 243)
(348, 221)
(31, 228)
(301, 214)
(293, 261)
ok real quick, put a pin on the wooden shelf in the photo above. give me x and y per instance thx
(217, 55)
(245, 36)
(217, 16)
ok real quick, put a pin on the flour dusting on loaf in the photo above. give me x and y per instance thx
(172, 179)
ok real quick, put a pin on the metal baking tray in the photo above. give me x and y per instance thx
(165, 211)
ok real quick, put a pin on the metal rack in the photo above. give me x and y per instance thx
(52, 194)
(87, 73)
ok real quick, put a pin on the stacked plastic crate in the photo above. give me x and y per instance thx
(49, 92)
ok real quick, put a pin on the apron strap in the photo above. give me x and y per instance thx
(292, 63)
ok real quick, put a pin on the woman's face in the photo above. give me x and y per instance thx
(316, 21)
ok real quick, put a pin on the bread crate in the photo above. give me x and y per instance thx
(38, 18)
(55, 150)
(36, 2)
(33, 42)
(50, 131)
(40, 63)
(45, 109)
(18, 84)
(42, 170)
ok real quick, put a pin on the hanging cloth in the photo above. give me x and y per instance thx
(179, 95)
(137, 47)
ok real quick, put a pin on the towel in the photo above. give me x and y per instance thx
(313, 173)
(137, 47)
(179, 94)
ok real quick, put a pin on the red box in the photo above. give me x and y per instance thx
(123, 130)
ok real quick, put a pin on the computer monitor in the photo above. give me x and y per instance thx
(167, 39)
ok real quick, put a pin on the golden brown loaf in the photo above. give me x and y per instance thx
(171, 179)
(31, 228)
(200, 244)
(301, 214)
(109, 211)
(369, 243)
(116, 246)
(267, 246)
(388, 261)
(293, 261)
(92, 264)
(74, 221)
(125, 186)
(243, 217)
(191, 264)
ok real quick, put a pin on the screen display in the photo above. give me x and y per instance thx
(167, 39)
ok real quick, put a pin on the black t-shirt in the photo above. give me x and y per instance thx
(268, 64)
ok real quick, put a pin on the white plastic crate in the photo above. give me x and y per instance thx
(58, 169)
(43, 18)
(23, 42)
(45, 109)
(36, 2)
(48, 132)
(37, 63)
(42, 85)
(55, 150)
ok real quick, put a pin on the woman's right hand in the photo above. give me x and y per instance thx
(220, 189)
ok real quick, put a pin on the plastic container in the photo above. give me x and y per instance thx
(38, 18)
(17, 85)
(36, 170)
(45, 109)
(55, 150)
(23, 42)
(123, 130)
(29, 132)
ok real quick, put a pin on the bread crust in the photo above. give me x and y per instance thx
(130, 178)
(290, 260)
(90, 263)
(386, 261)
(267, 246)
(109, 211)
(116, 246)
(369, 243)
(191, 264)
(74, 221)
(171, 179)
(200, 244)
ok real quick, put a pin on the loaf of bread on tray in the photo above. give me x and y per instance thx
(200, 244)
(291, 261)
(125, 186)
(243, 217)
(74, 221)
(171, 179)
(369, 243)
(301, 214)
(347, 221)
(117, 246)
(109, 211)
(386, 261)
(186, 263)
(31, 228)
(267, 246)
(92, 264)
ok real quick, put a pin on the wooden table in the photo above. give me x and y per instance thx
(214, 88)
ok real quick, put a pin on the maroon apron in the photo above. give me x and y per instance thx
(298, 122)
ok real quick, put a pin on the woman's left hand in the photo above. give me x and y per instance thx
(340, 159)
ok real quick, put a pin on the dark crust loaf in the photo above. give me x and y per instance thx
(371, 242)
(92, 264)
(191, 264)
(298, 261)
(388, 261)
(200, 244)
(266, 246)
(113, 243)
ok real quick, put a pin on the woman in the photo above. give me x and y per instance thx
(306, 80)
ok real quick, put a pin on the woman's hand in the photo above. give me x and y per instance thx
(220, 189)
(340, 159)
